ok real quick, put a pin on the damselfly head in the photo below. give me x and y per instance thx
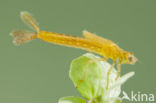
(130, 58)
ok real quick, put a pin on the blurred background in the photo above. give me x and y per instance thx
(37, 72)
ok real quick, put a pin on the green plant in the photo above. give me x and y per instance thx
(93, 87)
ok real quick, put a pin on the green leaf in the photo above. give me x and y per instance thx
(71, 99)
(94, 83)
(93, 87)
(113, 100)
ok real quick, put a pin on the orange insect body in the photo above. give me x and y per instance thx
(70, 41)
(89, 42)
(105, 48)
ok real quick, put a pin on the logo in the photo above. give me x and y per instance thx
(138, 97)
